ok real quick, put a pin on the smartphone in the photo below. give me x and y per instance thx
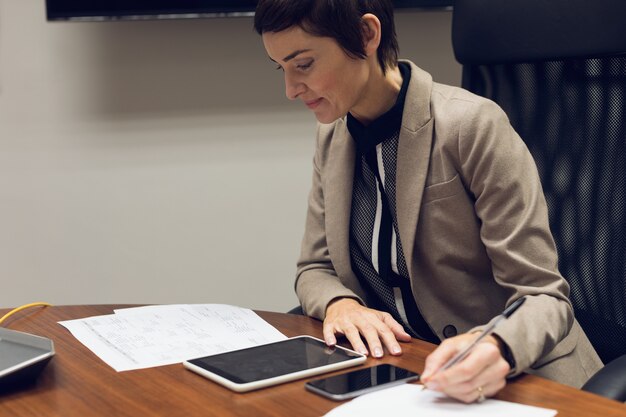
(362, 381)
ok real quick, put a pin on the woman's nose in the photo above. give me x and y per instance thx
(293, 87)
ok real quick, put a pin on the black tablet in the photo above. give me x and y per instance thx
(273, 363)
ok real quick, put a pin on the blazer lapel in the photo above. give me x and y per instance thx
(338, 187)
(414, 149)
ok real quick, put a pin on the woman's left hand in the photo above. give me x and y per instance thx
(481, 374)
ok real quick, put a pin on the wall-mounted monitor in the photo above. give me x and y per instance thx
(96, 10)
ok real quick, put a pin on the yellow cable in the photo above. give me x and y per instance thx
(18, 309)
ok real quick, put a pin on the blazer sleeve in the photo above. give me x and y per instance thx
(501, 174)
(317, 283)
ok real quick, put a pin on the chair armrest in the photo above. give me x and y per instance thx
(610, 381)
(296, 310)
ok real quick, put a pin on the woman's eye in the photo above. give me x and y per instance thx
(305, 66)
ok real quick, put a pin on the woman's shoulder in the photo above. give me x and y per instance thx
(328, 132)
(331, 136)
(455, 106)
(452, 97)
(450, 104)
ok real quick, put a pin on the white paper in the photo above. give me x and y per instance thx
(144, 337)
(410, 400)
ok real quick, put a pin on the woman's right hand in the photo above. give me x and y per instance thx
(345, 316)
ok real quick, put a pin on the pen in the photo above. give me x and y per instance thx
(486, 332)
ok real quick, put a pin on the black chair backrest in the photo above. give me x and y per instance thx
(558, 69)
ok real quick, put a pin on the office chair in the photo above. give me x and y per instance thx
(296, 310)
(558, 69)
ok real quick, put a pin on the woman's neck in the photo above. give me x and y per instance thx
(379, 95)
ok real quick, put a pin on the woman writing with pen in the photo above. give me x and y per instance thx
(426, 216)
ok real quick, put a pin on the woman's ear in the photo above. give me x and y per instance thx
(371, 33)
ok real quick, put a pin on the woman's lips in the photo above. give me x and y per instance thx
(313, 103)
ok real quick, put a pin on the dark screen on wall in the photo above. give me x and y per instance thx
(154, 9)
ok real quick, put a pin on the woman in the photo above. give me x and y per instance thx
(426, 217)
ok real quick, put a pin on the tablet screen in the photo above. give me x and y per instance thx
(274, 359)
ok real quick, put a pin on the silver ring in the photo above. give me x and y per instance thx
(481, 395)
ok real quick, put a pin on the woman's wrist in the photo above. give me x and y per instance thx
(340, 302)
(505, 351)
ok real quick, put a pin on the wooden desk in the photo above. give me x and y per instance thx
(77, 383)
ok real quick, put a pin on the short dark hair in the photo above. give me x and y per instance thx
(337, 19)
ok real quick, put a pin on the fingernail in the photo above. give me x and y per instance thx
(395, 350)
(432, 385)
(363, 351)
(378, 352)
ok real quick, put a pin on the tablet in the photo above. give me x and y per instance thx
(274, 363)
(22, 357)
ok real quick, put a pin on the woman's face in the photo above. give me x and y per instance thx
(318, 72)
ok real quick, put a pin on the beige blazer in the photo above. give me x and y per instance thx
(473, 224)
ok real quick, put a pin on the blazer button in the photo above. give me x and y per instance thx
(449, 331)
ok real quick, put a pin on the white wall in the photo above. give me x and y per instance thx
(157, 162)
